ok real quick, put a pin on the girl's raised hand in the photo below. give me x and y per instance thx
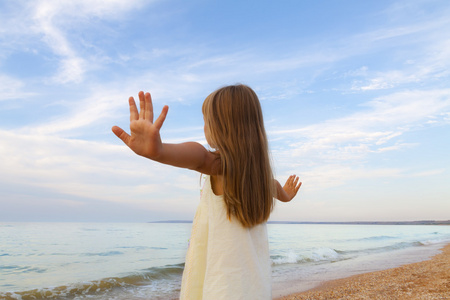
(292, 186)
(144, 138)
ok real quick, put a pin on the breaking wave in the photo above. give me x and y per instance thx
(100, 287)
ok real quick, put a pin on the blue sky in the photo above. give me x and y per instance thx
(356, 100)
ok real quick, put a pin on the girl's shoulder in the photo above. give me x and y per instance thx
(215, 163)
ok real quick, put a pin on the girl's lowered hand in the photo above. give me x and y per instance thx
(144, 138)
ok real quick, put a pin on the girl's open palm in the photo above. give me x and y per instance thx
(144, 138)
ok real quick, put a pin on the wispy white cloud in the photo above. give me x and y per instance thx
(428, 173)
(333, 152)
(12, 88)
(72, 66)
(432, 64)
(53, 22)
(427, 63)
(97, 108)
(107, 103)
(89, 170)
(333, 175)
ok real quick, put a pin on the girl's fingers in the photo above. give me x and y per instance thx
(145, 107)
(162, 117)
(141, 105)
(121, 134)
(148, 107)
(134, 115)
(292, 180)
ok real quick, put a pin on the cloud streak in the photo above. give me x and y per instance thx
(336, 151)
(12, 88)
(55, 23)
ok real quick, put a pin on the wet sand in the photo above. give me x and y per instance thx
(428, 279)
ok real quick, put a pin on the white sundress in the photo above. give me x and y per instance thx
(225, 260)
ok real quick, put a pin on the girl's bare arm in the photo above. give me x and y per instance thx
(145, 140)
(289, 190)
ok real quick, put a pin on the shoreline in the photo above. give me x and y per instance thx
(428, 279)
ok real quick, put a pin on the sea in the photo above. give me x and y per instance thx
(146, 260)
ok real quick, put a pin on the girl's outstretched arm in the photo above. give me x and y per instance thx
(289, 190)
(145, 140)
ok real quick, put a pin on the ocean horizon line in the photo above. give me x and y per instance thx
(420, 222)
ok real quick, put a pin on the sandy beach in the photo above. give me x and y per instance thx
(424, 280)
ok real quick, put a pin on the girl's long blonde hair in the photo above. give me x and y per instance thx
(235, 128)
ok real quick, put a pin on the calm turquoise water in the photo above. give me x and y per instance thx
(145, 261)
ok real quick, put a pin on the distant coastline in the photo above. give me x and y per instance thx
(423, 222)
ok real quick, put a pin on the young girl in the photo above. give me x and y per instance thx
(228, 255)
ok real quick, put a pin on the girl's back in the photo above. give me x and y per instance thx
(225, 260)
(234, 127)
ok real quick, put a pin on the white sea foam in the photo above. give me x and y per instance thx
(290, 258)
(325, 254)
(316, 255)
